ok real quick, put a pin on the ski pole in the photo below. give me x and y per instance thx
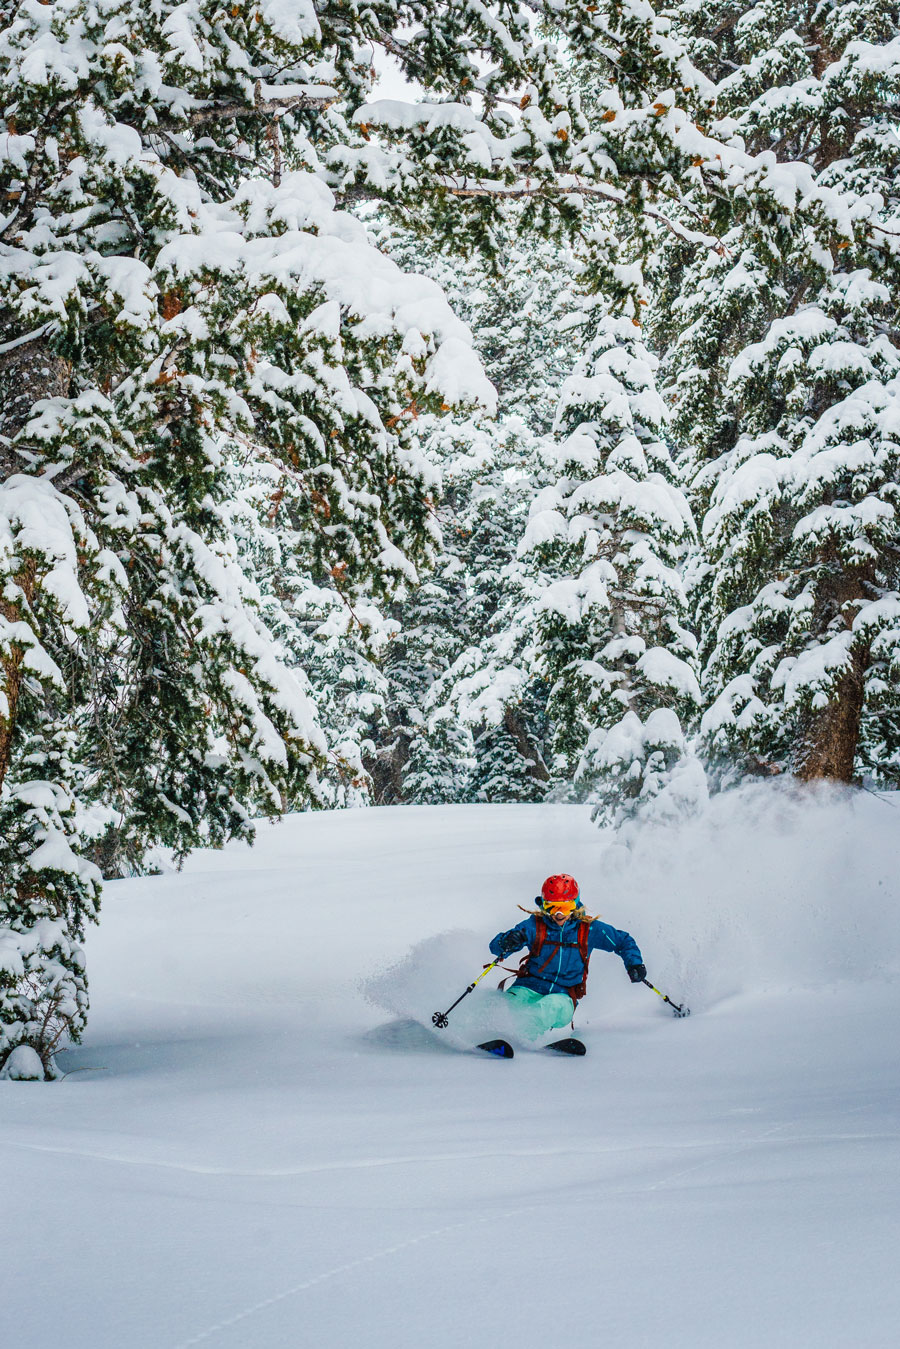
(440, 1018)
(678, 1010)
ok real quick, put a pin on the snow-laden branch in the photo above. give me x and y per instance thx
(267, 103)
(573, 187)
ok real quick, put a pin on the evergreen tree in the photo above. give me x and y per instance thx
(437, 740)
(609, 619)
(785, 378)
(491, 687)
(510, 755)
(331, 640)
(508, 714)
(412, 758)
(520, 312)
(178, 292)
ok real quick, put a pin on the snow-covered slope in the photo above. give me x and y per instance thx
(250, 1153)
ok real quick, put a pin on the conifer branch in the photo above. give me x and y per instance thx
(33, 336)
(261, 107)
(552, 191)
(401, 50)
(602, 193)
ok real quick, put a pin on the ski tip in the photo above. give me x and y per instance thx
(499, 1048)
(576, 1047)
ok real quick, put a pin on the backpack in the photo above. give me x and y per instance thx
(577, 991)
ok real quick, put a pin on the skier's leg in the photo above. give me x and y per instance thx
(537, 1013)
(557, 1009)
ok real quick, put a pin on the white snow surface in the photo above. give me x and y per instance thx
(263, 1142)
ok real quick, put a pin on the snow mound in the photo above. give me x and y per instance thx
(23, 1065)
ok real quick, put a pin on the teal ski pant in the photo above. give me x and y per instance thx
(536, 1013)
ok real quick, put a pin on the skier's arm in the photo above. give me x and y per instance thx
(603, 937)
(505, 943)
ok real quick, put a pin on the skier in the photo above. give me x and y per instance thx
(551, 979)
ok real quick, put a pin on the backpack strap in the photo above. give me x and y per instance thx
(577, 991)
(540, 935)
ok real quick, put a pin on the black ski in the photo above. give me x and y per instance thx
(499, 1048)
(568, 1047)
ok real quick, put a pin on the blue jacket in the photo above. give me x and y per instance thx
(565, 967)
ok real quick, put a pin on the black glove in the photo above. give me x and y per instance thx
(511, 942)
(636, 973)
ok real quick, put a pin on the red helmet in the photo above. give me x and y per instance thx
(559, 890)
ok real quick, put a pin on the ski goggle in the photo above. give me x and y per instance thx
(561, 908)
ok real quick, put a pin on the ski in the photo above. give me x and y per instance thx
(499, 1048)
(567, 1047)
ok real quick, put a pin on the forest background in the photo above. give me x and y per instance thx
(534, 436)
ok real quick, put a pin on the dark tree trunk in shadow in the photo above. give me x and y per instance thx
(828, 749)
(536, 768)
(829, 741)
(387, 770)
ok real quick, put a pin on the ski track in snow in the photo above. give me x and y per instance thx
(450, 1158)
(435, 1233)
(336, 1273)
(432, 1235)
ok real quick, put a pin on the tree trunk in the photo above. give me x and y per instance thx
(386, 769)
(536, 769)
(29, 371)
(11, 663)
(828, 749)
(828, 742)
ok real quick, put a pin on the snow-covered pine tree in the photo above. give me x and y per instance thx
(519, 306)
(492, 477)
(436, 739)
(178, 289)
(520, 312)
(608, 536)
(505, 711)
(411, 759)
(334, 641)
(786, 376)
